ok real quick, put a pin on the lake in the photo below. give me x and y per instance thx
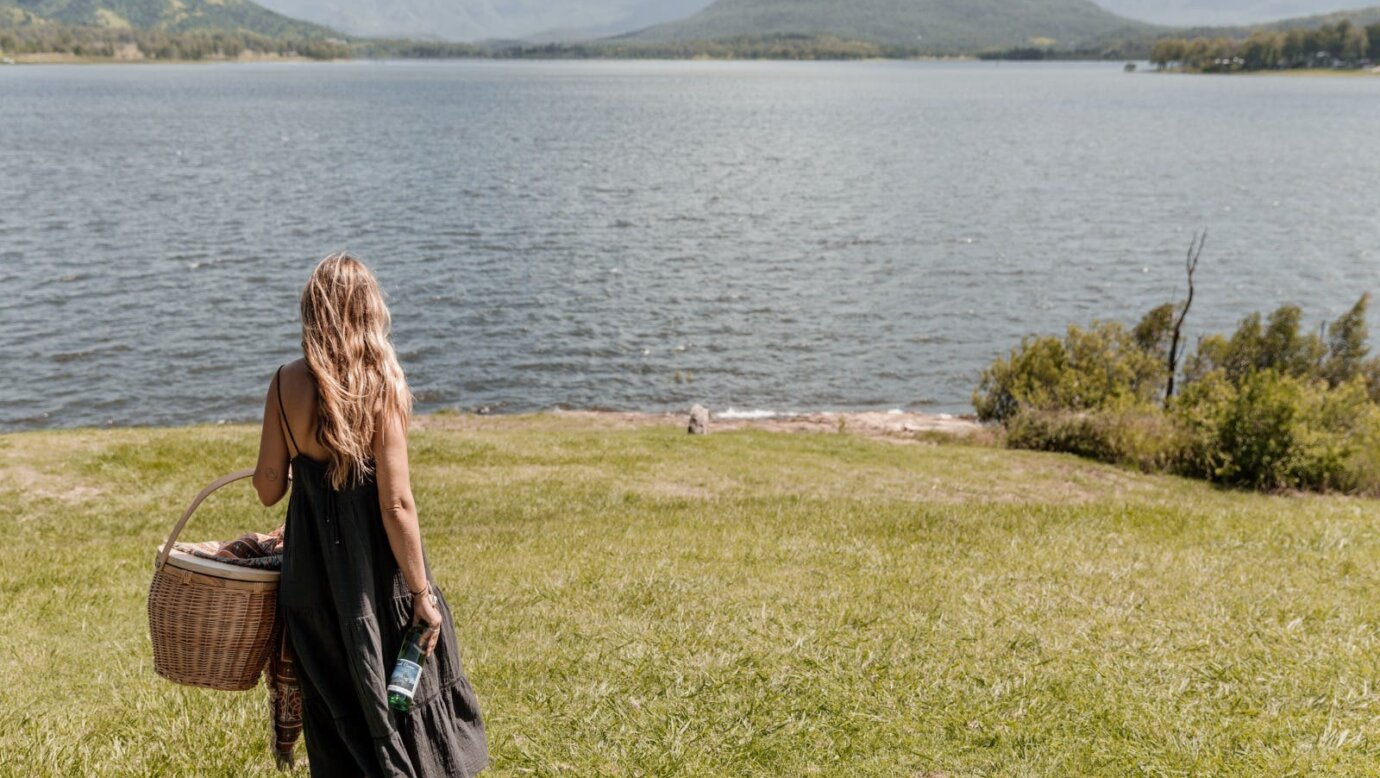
(646, 235)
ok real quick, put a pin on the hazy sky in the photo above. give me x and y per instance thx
(471, 20)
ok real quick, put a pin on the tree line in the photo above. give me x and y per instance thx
(1344, 44)
(787, 47)
(104, 42)
(128, 43)
(1341, 45)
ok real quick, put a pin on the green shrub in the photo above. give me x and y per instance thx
(1340, 439)
(1256, 439)
(1278, 345)
(1147, 439)
(1199, 411)
(1346, 344)
(1279, 431)
(1281, 345)
(1270, 407)
(1100, 368)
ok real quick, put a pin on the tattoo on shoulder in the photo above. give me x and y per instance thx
(271, 474)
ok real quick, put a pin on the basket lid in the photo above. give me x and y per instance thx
(203, 566)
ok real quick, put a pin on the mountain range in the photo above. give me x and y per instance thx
(169, 15)
(933, 25)
(477, 20)
(1194, 13)
(947, 26)
(474, 20)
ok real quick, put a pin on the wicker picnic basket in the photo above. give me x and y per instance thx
(212, 624)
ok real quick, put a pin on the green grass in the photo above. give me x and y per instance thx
(637, 602)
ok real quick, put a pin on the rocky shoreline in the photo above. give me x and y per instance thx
(875, 424)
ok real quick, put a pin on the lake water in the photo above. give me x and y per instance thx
(785, 236)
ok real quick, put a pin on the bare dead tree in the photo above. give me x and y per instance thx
(1195, 252)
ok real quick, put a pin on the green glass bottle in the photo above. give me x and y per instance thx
(407, 673)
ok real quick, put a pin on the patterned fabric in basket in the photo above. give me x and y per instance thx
(265, 552)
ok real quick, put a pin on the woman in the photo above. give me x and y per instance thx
(354, 574)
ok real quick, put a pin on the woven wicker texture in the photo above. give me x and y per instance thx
(206, 630)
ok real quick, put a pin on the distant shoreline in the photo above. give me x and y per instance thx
(62, 58)
(1290, 73)
(1314, 73)
(872, 424)
(875, 424)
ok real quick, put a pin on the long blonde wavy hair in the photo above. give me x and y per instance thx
(359, 383)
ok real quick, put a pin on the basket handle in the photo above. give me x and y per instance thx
(182, 522)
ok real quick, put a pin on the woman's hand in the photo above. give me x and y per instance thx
(425, 611)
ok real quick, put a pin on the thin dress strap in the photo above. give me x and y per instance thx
(278, 385)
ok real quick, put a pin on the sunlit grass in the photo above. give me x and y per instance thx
(641, 602)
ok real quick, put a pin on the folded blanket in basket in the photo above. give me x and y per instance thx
(255, 549)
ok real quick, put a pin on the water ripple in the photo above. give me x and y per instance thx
(761, 235)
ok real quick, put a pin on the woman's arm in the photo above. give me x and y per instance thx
(400, 522)
(271, 473)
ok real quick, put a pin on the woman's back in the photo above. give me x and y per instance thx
(354, 576)
(296, 389)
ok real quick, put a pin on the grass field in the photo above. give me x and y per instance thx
(644, 603)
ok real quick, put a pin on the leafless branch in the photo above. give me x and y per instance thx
(1195, 253)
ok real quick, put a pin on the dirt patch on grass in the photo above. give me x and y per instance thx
(33, 483)
(681, 491)
(871, 424)
(47, 469)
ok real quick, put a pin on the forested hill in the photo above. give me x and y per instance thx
(163, 15)
(925, 25)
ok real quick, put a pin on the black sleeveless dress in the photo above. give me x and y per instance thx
(346, 607)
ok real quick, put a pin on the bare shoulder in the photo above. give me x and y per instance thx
(296, 373)
(297, 368)
(297, 384)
